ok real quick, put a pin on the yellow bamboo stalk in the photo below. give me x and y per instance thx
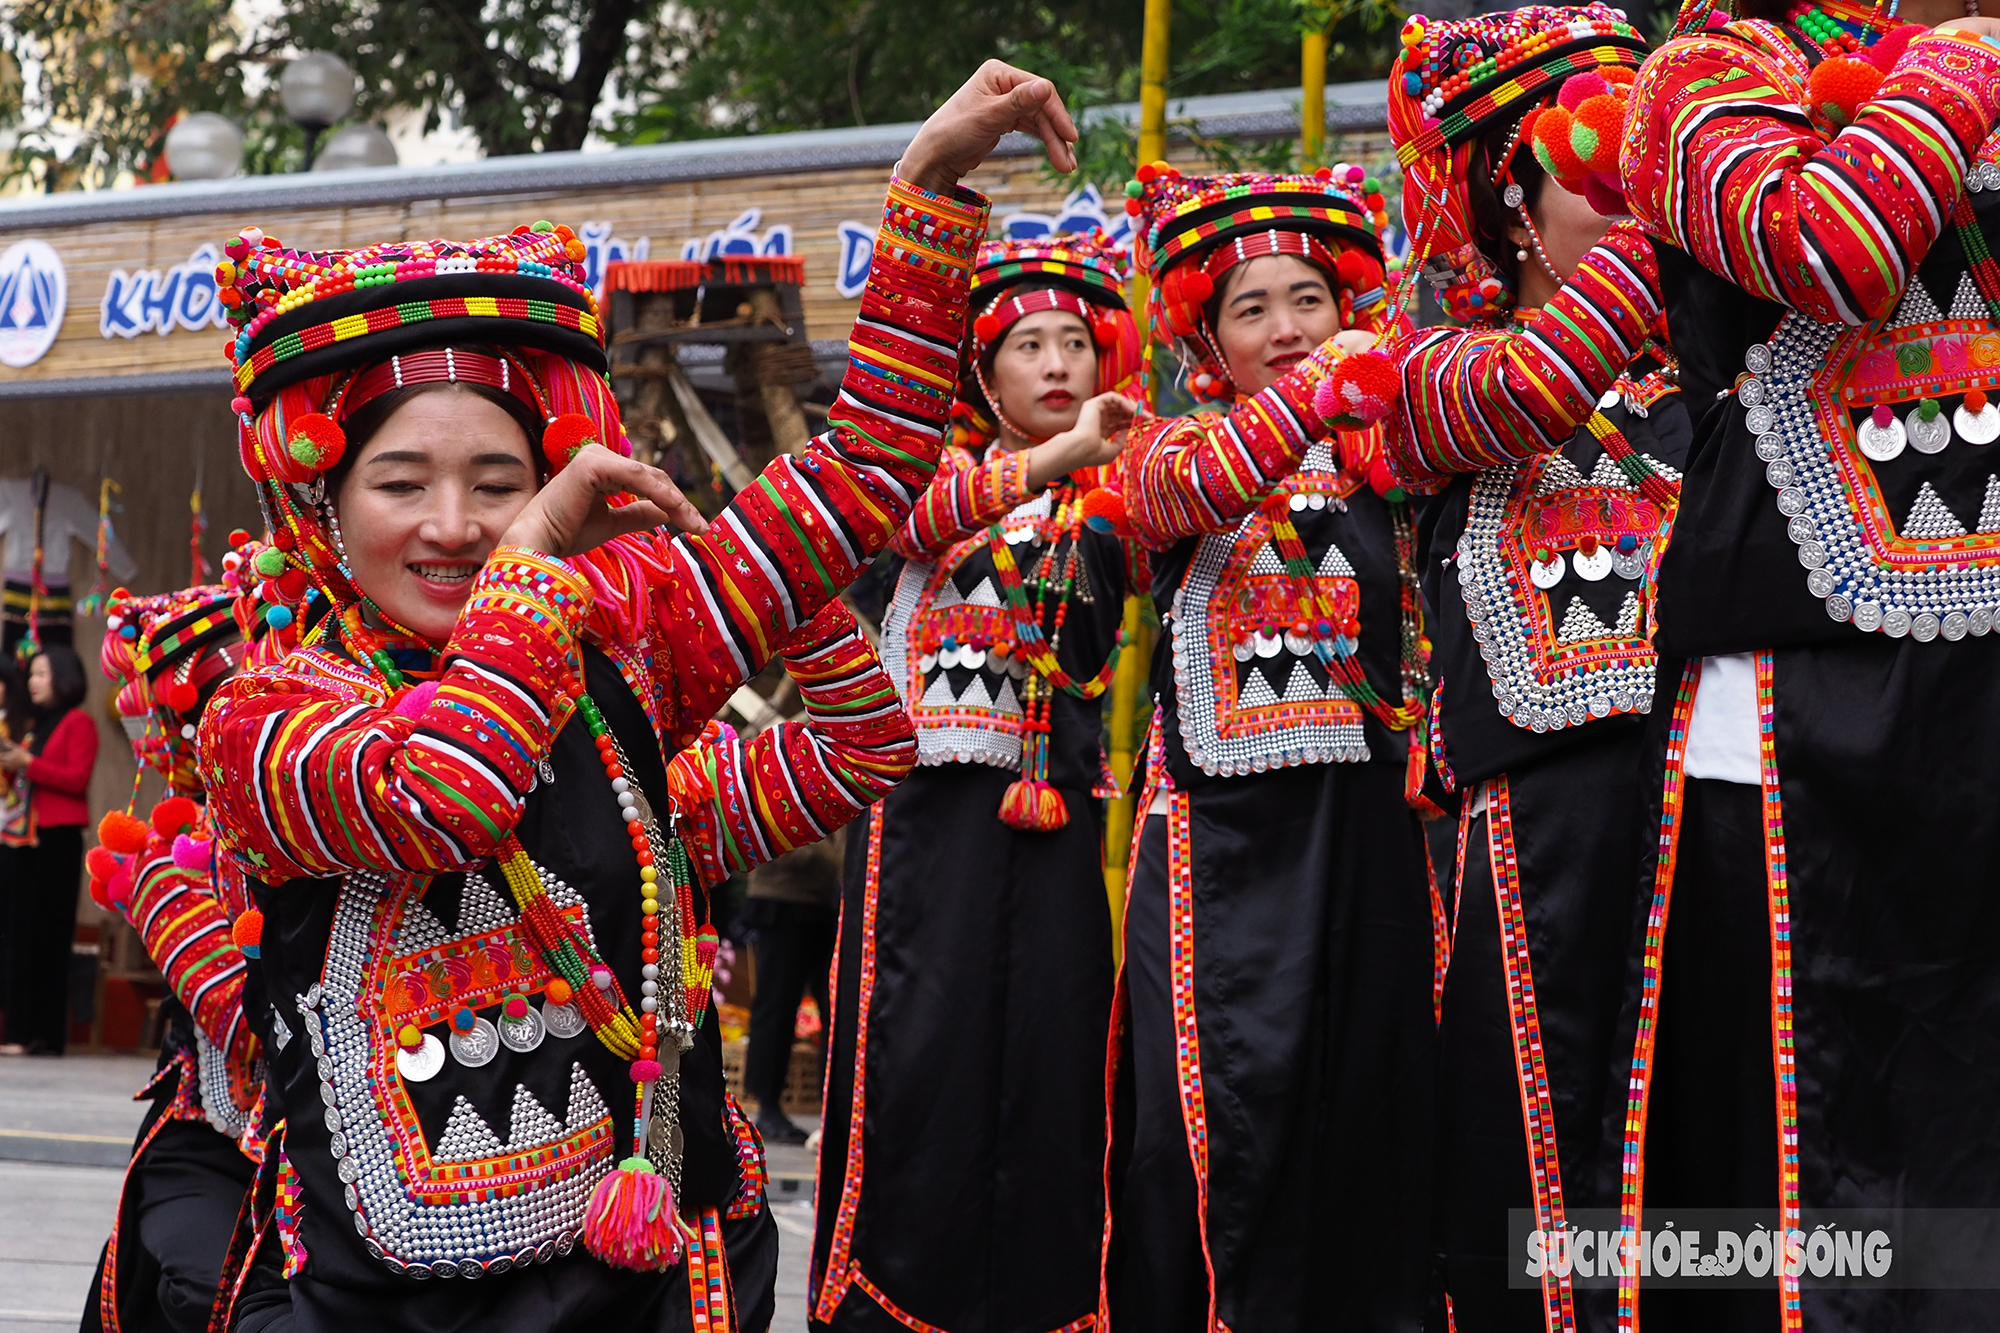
(1128, 694)
(1312, 103)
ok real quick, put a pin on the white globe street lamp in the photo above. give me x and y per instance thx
(358, 145)
(317, 90)
(204, 146)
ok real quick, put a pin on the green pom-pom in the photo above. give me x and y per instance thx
(543, 225)
(1582, 140)
(1928, 409)
(270, 563)
(638, 1164)
(1371, 186)
(1134, 189)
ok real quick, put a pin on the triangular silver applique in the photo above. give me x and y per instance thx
(418, 930)
(1302, 688)
(939, 694)
(481, 908)
(1267, 561)
(1628, 614)
(1989, 511)
(532, 1125)
(467, 1137)
(1968, 304)
(947, 596)
(1007, 701)
(1929, 517)
(1580, 623)
(1257, 692)
(1334, 564)
(1917, 308)
(984, 595)
(586, 1107)
(1558, 474)
(976, 694)
(1608, 475)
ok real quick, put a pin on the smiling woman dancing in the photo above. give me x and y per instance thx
(483, 892)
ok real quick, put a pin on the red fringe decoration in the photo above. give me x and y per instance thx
(1033, 806)
(654, 275)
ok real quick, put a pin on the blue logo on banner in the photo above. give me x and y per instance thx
(34, 292)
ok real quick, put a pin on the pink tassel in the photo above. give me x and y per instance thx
(191, 853)
(413, 704)
(1033, 806)
(630, 1222)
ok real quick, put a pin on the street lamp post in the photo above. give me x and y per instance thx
(317, 90)
(204, 146)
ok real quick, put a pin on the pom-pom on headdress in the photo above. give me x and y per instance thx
(1084, 274)
(1456, 80)
(166, 654)
(1194, 229)
(320, 334)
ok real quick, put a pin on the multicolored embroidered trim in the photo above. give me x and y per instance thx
(1187, 1030)
(711, 1304)
(1632, 1168)
(1784, 1056)
(1538, 1116)
(408, 313)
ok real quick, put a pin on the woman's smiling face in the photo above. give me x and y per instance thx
(1276, 309)
(426, 501)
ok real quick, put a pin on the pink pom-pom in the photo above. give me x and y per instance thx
(239, 405)
(1359, 391)
(1603, 193)
(1579, 88)
(630, 1220)
(1716, 19)
(191, 853)
(645, 1071)
(1889, 47)
(412, 704)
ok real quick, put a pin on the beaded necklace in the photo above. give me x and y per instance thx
(1338, 643)
(1032, 802)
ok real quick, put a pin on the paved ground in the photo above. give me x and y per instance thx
(66, 1129)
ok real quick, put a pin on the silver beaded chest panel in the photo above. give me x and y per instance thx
(1557, 571)
(1254, 695)
(473, 1202)
(938, 645)
(218, 1090)
(1877, 441)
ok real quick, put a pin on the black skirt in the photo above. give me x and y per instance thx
(961, 1172)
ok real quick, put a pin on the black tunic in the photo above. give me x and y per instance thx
(973, 991)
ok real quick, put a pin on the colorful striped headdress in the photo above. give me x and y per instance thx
(1084, 274)
(322, 333)
(1457, 80)
(166, 654)
(1194, 229)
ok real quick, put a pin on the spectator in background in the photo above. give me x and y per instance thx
(13, 803)
(56, 762)
(793, 909)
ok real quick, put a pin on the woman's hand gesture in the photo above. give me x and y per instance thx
(1097, 438)
(569, 515)
(994, 102)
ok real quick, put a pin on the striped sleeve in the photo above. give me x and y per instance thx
(745, 803)
(965, 497)
(310, 774)
(1722, 159)
(722, 602)
(1183, 476)
(185, 931)
(1476, 398)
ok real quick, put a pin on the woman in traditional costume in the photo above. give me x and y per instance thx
(962, 1168)
(1813, 1002)
(457, 799)
(1550, 446)
(1275, 1052)
(197, 1150)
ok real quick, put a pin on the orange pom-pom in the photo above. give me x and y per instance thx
(314, 441)
(101, 864)
(176, 814)
(1595, 130)
(122, 833)
(565, 435)
(1104, 510)
(986, 328)
(248, 932)
(1839, 88)
(1618, 76)
(1553, 147)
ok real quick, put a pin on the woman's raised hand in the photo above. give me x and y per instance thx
(1096, 439)
(569, 515)
(994, 102)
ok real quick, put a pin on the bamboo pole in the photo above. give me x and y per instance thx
(1312, 105)
(1128, 693)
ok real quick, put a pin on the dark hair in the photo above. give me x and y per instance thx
(1774, 11)
(368, 420)
(1491, 218)
(66, 675)
(14, 707)
(1212, 311)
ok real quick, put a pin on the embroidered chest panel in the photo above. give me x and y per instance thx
(1557, 569)
(1254, 695)
(487, 1195)
(1878, 442)
(938, 637)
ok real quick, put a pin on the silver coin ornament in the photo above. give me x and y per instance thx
(475, 1046)
(1882, 436)
(1268, 645)
(1629, 564)
(1927, 435)
(421, 1063)
(1593, 567)
(564, 1020)
(1981, 427)
(523, 1034)
(1546, 574)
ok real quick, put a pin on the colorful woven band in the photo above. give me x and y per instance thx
(1245, 219)
(1007, 311)
(170, 641)
(407, 315)
(1513, 90)
(449, 365)
(1246, 246)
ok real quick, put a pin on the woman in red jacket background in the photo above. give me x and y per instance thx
(55, 763)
